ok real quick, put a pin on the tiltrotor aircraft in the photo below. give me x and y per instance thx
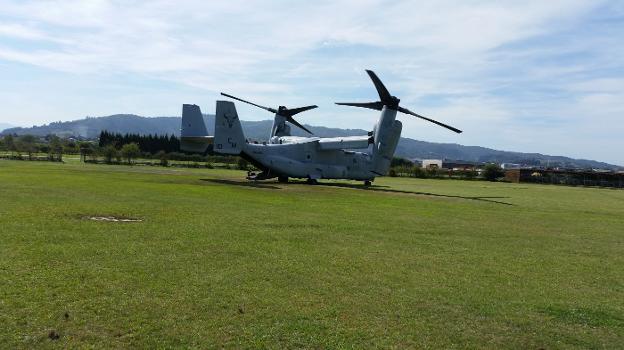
(310, 158)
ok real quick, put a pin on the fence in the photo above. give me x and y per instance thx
(567, 177)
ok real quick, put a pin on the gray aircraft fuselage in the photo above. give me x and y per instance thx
(311, 157)
(304, 160)
(293, 156)
(304, 157)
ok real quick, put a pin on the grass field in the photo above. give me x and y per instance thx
(217, 262)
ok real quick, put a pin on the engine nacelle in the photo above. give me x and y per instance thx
(384, 147)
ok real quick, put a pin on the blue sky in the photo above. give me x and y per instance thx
(531, 76)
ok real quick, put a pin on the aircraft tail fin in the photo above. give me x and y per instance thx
(229, 137)
(194, 133)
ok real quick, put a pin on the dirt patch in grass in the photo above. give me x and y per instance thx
(53, 335)
(111, 218)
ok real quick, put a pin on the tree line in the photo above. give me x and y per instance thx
(116, 148)
(52, 147)
(146, 143)
(119, 149)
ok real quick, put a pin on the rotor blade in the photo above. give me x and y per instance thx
(384, 95)
(407, 111)
(290, 119)
(272, 110)
(291, 112)
(370, 105)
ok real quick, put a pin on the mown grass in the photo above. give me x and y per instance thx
(218, 262)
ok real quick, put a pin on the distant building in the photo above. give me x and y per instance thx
(458, 165)
(432, 163)
(507, 166)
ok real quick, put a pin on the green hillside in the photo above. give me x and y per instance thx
(217, 262)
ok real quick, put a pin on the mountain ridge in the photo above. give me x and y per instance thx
(90, 127)
(4, 126)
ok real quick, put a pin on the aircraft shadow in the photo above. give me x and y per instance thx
(489, 199)
(377, 188)
(242, 183)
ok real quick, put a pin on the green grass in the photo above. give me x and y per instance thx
(218, 263)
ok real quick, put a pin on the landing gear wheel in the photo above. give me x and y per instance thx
(312, 182)
(367, 183)
(282, 179)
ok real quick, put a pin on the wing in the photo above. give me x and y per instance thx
(347, 142)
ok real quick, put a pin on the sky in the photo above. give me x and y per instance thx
(529, 76)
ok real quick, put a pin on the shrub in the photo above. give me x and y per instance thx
(164, 158)
(417, 171)
(432, 172)
(492, 172)
(242, 164)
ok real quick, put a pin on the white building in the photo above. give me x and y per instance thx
(432, 163)
(507, 166)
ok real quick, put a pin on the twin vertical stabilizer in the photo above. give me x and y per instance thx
(229, 137)
(194, 133)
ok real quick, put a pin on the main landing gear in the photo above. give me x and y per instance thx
(255, 176)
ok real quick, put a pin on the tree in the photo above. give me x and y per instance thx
(492, 171)
(56, 148)
(9, 143)
(400, 162)
(27, 144)
(109, 152)
(130, 151)
(147, 143)
(70, 146)
(86, 148)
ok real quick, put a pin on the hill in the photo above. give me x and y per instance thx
(5, 126)
(127, 123)
(90, 127)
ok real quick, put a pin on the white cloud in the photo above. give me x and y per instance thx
(453, 60)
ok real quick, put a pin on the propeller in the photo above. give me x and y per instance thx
(281, 111)
(392, 102)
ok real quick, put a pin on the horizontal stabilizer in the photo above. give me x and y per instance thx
(196, 144)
